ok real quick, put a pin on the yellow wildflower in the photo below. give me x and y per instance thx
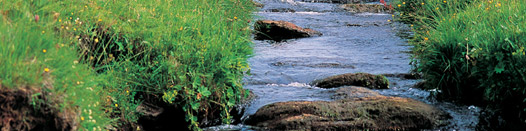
(426, 38)
(46, 69)
(100, 20)
(59, 20)
(423, 3)
(403, 3)
(81, 118)
(44, 50)
(235, 17)
(43, 32)
(445, 1)
(399, 5)
(116, 105)
(96, 40)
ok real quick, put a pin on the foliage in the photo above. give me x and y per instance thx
(32, 56)
(192, 54)
(471, 50)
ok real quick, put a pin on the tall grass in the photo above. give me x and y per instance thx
(472, 51)
(117, 54)
(32, 56)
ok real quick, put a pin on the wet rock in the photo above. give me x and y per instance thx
(354, 92)
(368, 110)
(238, 110)
(280, 30)
(371, 8)
(281, 10)
(358, 25)
(354, 79)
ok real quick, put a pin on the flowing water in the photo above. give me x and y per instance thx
(282, 71)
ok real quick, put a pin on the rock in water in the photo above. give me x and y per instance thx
(354, 79)
(280, 30)
(360, 109)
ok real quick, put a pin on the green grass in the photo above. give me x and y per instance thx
(32, 56)
(106, 57)
(473, 51)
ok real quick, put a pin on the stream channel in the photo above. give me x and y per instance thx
(282, 71)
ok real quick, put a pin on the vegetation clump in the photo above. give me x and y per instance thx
(97, 61)
(472, 51)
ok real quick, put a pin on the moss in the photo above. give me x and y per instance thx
(354, 79)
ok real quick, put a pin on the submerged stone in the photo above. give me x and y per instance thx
(354, 79)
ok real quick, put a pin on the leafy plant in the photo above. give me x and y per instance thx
(471, 50)
(117, 54)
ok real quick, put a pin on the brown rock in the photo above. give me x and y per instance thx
(354, 92)
(354, 79)
(280, 30)
(374, 112)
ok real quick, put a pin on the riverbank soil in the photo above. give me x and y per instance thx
(18, 112)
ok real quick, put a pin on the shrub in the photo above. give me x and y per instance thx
(472, 51)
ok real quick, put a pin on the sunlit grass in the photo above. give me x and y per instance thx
(103, 57)
(471, 50)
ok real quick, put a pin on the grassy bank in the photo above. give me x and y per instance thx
(97, 61)
(472, 51)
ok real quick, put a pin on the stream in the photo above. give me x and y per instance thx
(282, 71)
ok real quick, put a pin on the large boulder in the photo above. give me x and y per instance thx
(280, 30)
(354, 79)
(366, 110)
